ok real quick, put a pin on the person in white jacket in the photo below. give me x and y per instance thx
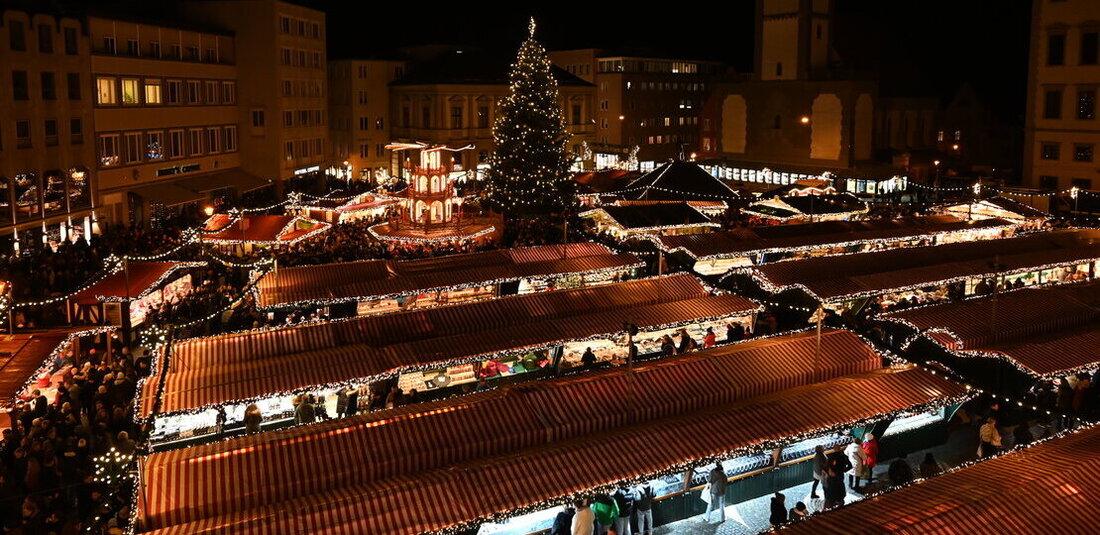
(856, 456)
(584, 521)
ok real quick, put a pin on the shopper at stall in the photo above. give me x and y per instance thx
(668, 348)
(584, 520)
(778, 509)
(856, 457)
(717, 482)
(990, 437)
(252, 419)
(710, 340)
(735, 332)
(835, 492)
(870, 448)
(588, 359)
(563, 521)
(643, 509)
(624, 501)
(929, 467)
(606, 511)
(900, 472)
(820, 466)
(305, 412)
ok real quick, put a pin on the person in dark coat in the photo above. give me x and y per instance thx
(835, 491)
(718, 481)
(624, 498)
(643, 509)
(563, 522)
(353, 402)
(779, 509)
(820, 465)
(900, 472)
(588, 359)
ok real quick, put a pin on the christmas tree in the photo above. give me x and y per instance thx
(529, 168)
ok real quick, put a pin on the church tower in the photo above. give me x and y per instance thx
(793, 38)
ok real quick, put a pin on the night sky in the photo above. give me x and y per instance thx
(924, 48)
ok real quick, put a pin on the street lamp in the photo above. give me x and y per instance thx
(805, 119)
(209, 211)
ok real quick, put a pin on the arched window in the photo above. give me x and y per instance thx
(435, 184)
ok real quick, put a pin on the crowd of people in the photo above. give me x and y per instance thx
(48, 482)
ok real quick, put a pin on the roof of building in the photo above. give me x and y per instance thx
(474, 68)
(1013, 493)
(838, 278)
(757, 240)
(680, 181)
(796, 205)
(375, 279)
(1046, 331)
(248, 365)
(338, 475)
(135, 280)
(1002, 203)
(645, 216)
(260, 229)
(21, 355)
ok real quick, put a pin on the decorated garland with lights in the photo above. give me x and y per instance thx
(529, 167)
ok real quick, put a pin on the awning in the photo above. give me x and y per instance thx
(168, 194)
(20, 356)
(236, 178)
(227, 368)
(1047, 488)
(134, 281)
(343, 475)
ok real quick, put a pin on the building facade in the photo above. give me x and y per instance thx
(452, 100)
(1062, 132)
(166, 119)
(655, 104)
(359, 114)
(47, 156)
(281, 62)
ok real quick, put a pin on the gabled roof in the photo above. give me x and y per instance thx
(679, 181)
(137, 279)
(792, 205)
(260, 229)
(673, 214)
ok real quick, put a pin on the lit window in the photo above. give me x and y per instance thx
(105, 88)
(152, 92)
(130, 91)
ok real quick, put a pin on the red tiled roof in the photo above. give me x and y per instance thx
(1049, 488)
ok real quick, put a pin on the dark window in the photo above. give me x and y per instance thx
(1048, 182)
(1081, 183)
(109, 45)
(1052, 104)
(15, 34)
(72, 46)
(49, 86)
(576, 111)
(1082, 153)
(257, 117)
(425, 117)
(456, 117)
(1050, 151)
(779, 69)
(72, 82)
(1056, 49)
(154, 49)
(193, 53)
(22, 134)
(132, 48)
(19, 85)
(1086, 104)
(1090, 48)
(45, 38)
(76, 131)
(51, 132)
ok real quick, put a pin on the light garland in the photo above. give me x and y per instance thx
(411, 239)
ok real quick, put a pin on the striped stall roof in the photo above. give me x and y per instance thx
(137, 279)
(744, 242)
(375, 279)
(837, 278)
(189, 491)
(1049, 488)
(1046, 330)
(243, 366)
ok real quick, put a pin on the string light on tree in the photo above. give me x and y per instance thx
(529, 167)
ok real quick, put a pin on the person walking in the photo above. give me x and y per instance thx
(717, 482)
(584, 520)
(870, 448)
(856, 457)
(820, 466)
(643, 509)
(990, 437)
(778, 510)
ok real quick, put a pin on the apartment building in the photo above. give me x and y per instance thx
(281, 64)
(1062, 130)
(653, 103)
(166, 116)
(359, 108)
(47, 157)
(452, 99)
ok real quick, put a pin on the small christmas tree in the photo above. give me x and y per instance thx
(529, 168)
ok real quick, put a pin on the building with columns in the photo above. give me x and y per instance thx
(1062, 130)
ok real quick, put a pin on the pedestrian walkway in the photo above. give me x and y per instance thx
(751, 516)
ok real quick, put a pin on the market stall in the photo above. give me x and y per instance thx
(368, 205)
(248, 231)
(716, 253)
(136, 287)
(338, 475)
(625, 222)
(921, 275)
(1015, 492)
(996, 208)
(799, 208)
(428, 348)
(379, 286)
